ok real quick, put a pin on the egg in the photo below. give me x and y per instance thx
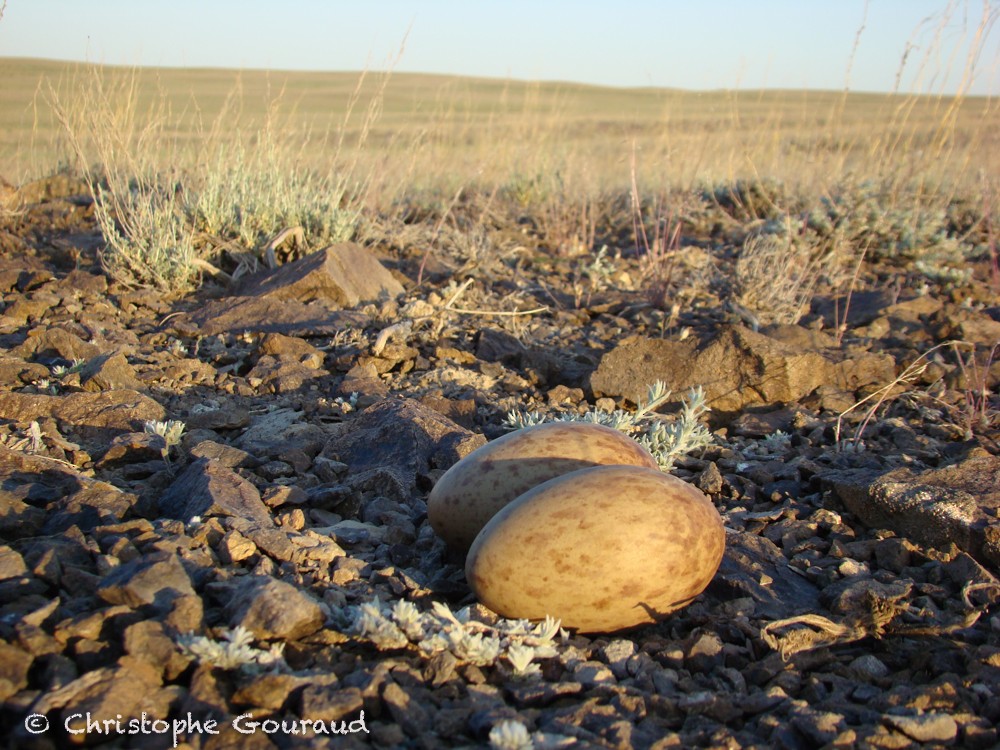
(472, 491)
(601, 549)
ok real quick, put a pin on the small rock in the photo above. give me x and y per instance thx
(339, 276)
(234, 548)
(821, 728)
(710, 480)
(593, 673)
(332, 702)
(273, 610)
(869, 667)
(156, 579)
(704, 654)
(293, 348)
(11, 563)
(737, 367)
(404, 436)
(408, 712)
(281, 375)
(616, 654)
(107, 372)
(129, 688)
(148, 640)
(207, 488)
(89, 414)
(14, 666)
(931, 727)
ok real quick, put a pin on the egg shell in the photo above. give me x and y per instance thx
(472, 491)
(601, 549)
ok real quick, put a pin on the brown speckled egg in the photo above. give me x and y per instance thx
(472, 491)
(602, 549)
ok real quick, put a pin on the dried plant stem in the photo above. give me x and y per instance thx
(884, 393)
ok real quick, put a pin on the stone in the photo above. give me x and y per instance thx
(15, 372)
(133, 447)
(91, 414)
(235, 315)
(753, 566)
(156, 580)
(234, 547)
(408, 712)
(272, 434)
(149, 641)
(869, 667)
(14, 665)
(268, 691)
(930, 727)
(222, 454)
(281, 375)
(959, 503)
(593, 673)
(332, 702)
(273, 610)
(821, 728)
(93, 504)
(55, 346)
(403, 436)
(207, 488)
(738, 369)
(704, 653)
(338, 276)
(11, 563)
(108, 372)
(616, 654)
(129, 688)
(291, 347)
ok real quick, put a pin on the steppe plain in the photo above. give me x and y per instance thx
(216, 443)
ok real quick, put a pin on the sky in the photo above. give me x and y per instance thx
(687, 44)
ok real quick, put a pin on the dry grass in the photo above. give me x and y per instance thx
(178, 156)
(446, 132)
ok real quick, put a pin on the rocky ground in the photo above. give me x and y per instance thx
(255, 560)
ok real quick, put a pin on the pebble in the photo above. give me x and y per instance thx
(869, 667)
(591, 673)
(931, 727)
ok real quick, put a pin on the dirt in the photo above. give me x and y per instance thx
(857, 604)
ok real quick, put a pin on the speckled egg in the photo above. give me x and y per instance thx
(602, 549)
(472, 491)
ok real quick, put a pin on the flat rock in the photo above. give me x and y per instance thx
(738, 368)
(339, 276)
(130, 688)
(404, 437)
(109, 372)
(291, 347)
(281, 374)
(272, 609)
(68, 497)
(234, 315)
(15, 372)
(90, 414)
(753, 566)
(53, 345)
(14, 666)
(209, 488)
(930, 727)
(957, 504)
(92, 504)
(276, 432)
(156, 579)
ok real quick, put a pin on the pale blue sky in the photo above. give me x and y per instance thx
(677, 43)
